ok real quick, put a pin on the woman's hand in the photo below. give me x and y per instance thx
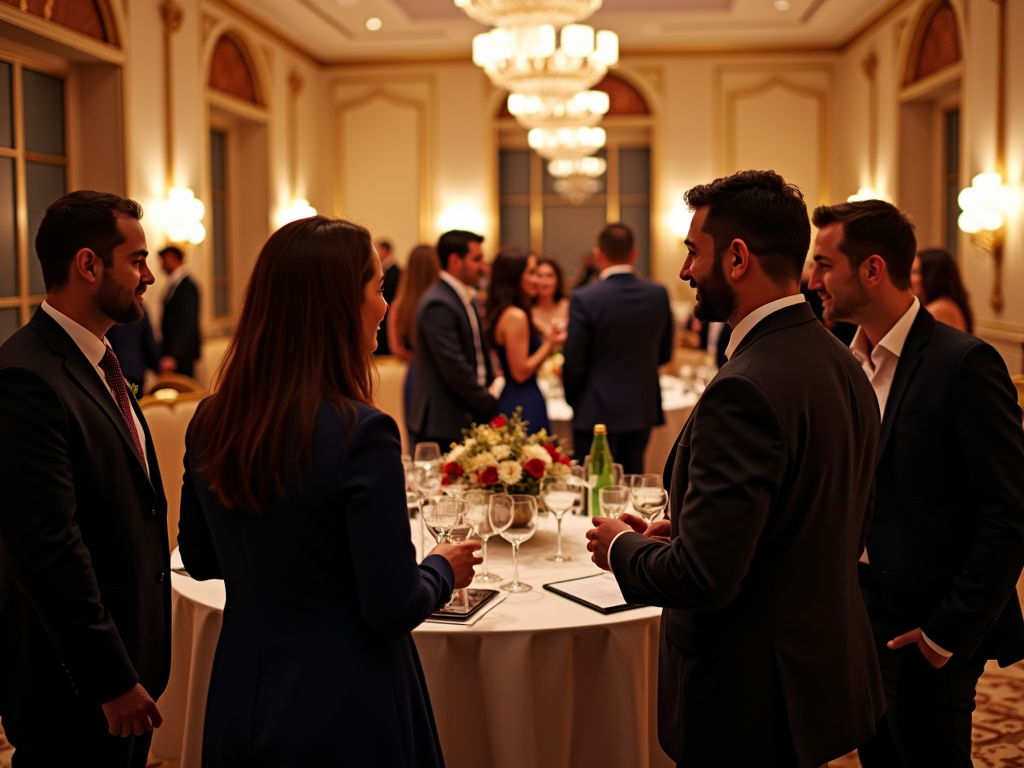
(557, 335)
(461, 557)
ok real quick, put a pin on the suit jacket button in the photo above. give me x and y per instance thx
(161, 577)
(152, 514)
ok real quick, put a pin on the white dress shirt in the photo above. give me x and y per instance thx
(94, 349)
(466, 294)
(879, 363)
(174, 280)
(615, 269)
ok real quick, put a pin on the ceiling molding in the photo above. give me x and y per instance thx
(877, 19)
(269, 29)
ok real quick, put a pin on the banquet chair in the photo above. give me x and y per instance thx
(172, 381)
(210, 359)
(388, 397)
(168, 414)
(1018, 382)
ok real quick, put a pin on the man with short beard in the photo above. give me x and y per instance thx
(84, 561)
(946, 545)
(770, 499)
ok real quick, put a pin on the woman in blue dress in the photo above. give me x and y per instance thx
(510, 331)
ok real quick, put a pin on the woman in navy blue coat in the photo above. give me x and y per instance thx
(294, 495)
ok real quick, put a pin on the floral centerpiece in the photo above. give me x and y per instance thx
(500, 454)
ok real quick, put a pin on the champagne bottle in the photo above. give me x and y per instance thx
(601, 471)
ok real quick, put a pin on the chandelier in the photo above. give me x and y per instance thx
(592, 167)
(586, 108)
(528, 13)
(577, 188)
(526, 61)
(566, 143)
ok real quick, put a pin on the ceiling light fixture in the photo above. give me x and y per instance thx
(566, 143)
(781, 5)
(585, 108)
(374, 24)
(528, 13)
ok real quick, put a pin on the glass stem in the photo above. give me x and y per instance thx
(483, 547)
(558, 518)
(515, 563)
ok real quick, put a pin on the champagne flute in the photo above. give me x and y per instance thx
(477, 505)
(614, 499)
(521, 528)
(560, 495)
(649, 502)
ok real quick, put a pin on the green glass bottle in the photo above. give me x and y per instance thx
(601, 471)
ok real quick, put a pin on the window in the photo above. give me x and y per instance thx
(33, 173)
(219, 194)
(951, 179)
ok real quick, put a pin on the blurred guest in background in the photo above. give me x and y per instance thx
(521, 348)
(936, 282)
(453, 366)
(589, 271)
(136, 348)
(420, 273)
(550, 306)
(620, 331)
(392, 276)
(713, 338)
(293, 494)
(179, 325)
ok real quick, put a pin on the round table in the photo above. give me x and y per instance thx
(539, 681)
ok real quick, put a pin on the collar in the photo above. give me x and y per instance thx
(893, 341)
(176, 276)
(744, 326)
(91, 347)
(387, 263)
(616, 269)
(465, 292)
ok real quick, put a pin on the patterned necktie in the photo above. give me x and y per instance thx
(115, 379)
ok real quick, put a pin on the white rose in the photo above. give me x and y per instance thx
(482, 460)
(456, 453)
(501, 452)
(536, 452)
(470, 442)
(494, 437)
(510, 472)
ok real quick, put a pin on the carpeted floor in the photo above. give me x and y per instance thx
(998, 724)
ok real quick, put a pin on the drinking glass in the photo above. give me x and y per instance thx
(477, 505)
(426, 453)
(560, 494)
(649, 502)
(614, 499)
(460, 530)
(616, 471)
(521, 528)
(441, 514)
(630, 480)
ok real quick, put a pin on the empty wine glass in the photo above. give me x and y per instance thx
(477, 505)
(630, 480)
(614, 499)
(649, 502)
(441, 514)
(522, 527)
(426, 453)
(560, 494)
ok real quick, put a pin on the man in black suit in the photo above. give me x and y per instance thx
(84, 563)
(179, 324)
(392, 274)
(453, 367)
(770, 500)
(136, 348)
(620, 331)
(947, 542)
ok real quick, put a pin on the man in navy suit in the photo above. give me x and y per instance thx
(453, 368)
(946, 545)
(620, 332)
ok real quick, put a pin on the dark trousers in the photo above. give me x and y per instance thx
(928, 722)
(627, 448)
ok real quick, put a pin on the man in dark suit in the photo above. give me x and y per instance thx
(620, 332)
(392, 274)
(84, 563)
(947, 542)
(136, 348)
(770, 501)
(179, 324)
(453, 367)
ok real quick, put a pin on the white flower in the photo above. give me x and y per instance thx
(481, 461)
(501, 452)
(470, 442)
(493, 437)
(535, 452)
(457, 453)
(510, 472)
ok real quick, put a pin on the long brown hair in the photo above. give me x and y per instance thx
(419, 274)
(506, 288)
(941, 277)
(299, 344)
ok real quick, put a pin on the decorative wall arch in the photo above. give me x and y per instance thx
(97, 19)
(936, 42)
(232, 70)
(251, 55)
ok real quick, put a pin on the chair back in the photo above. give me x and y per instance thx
(168, 414)
(172, 381)
(1018, 382)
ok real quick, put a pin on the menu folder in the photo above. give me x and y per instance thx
(599, 592)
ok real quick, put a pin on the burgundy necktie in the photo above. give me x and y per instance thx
(112, 371)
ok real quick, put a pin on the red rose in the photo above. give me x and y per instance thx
(499, 421)
(445, 480)
(453, 469)
(535, 468)
(552, 450)
(564, 460)
(488, 476)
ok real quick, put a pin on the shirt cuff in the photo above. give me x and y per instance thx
(612, 545)
(937, 648)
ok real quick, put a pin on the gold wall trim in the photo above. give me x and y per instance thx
(244, 14)
(83, 43)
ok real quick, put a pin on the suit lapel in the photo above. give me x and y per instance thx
(787, 317)
(910, 359)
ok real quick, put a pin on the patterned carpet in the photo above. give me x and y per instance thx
(998, 724)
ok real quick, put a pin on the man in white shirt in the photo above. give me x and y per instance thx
(947, 539)
(770, 487)
(84, 559)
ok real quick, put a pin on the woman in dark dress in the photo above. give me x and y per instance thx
(520, 348)
(294, 495)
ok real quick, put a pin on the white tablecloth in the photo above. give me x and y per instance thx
(538, 682)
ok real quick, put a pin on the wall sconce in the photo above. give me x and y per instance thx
(299, 209)
(864, 193)
(679, 219)
(184, 214)
(464, 217)
(985, 205)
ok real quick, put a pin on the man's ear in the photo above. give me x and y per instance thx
(873, 271)
(87, 265)
(738, 258)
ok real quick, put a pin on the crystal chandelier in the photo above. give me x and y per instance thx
(526, 61)
(586, 108)
(592, 167)
(528, 13)
(566, 143)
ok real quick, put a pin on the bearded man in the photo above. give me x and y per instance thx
(84, 563)
(770, 495)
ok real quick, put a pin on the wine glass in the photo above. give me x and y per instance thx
(521, 528)
(630, 480)
(477, 505)
(616, 472)
(460, 530)
(614, 499)
(560, 495)
(426, 453)
(649, 502)
(442, 514)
